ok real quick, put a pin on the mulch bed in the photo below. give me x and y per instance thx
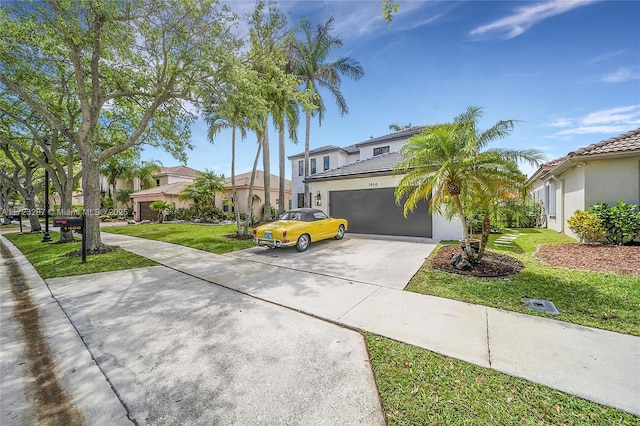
(598, 257)
(492, 264)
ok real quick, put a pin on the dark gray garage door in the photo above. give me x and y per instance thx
(374, 211)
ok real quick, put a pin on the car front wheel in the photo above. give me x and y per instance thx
(340, 233)
(303, 242)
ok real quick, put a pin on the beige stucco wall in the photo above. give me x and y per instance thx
(612, 180)
(443, 229)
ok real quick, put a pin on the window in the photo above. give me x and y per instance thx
(380, 150)
(313, 166)
(325, 160)
(301, 200)
(300, 168)
(550, 199)
(157, 182)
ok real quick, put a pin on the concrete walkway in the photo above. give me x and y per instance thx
(597, 365)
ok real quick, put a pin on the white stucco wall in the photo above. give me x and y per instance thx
(366, 152)
(443, 229)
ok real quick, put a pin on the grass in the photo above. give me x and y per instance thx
(211, 238)
(603, 300)
(50, 259)
(418, 387)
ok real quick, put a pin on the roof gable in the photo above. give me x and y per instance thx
(626, 142)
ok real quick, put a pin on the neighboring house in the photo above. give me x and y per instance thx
(242, 192)
(169, 182)
(359, 185)
(603, 172)
(168, 193)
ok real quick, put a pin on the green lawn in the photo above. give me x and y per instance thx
(604, 300)
(418, 387)
(212, 238)
(50, 259)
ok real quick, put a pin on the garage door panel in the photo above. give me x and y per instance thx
(374, 211)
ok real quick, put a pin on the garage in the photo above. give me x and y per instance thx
(374, 211)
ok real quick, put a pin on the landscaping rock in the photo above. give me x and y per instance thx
(459, 262)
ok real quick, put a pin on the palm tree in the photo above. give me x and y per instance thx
(160, 206)
(449, 165)
(144, 171)
(310, 64)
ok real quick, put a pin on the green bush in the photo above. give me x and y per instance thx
(587, 226)
(621, 222)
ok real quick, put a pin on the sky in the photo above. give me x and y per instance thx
(567, 70)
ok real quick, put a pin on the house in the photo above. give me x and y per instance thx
(242, 192)
(169, 182)
(358, 183)
(603, 172)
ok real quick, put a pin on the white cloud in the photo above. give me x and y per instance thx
(604, 57)
(607, 121)
(621, 75)
(526, 17)
(614, 115)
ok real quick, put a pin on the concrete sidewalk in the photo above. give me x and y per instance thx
(597, 365)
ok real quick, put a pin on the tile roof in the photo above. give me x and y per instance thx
(169, 189)
(244, 179)
(625, 142)
(178, 170)
(380, 164)
(400, 134)
(629, 141)
(351, 149)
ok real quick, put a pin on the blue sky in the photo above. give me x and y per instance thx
(569, 70)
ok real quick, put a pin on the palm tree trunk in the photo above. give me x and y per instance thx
(266, 165)
(486, 230)
(250, 200)
(234, 198)
(281, 171)
(307, 199)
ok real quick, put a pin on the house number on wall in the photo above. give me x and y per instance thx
(373, 183)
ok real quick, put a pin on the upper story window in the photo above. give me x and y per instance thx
(325, 160)
(300, 168)
(380, 150)
(313, 166)
(157, 182)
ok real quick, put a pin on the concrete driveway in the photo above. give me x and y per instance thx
(371, 259)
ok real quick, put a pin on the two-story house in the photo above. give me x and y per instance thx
(357, 182)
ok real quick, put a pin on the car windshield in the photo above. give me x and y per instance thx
(292, 216)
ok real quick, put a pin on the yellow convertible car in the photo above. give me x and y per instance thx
(299, 227)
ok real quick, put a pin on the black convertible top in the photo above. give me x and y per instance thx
(302, 215)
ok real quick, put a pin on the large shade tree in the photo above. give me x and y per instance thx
(313, 63)
(452, 166)
(133, 65)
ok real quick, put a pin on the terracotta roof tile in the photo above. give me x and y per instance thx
(170, 189)
(629, 141)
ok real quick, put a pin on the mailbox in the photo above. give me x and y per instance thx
(69, 223)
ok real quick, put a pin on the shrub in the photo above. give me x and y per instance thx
(621, 222)
(587, 226)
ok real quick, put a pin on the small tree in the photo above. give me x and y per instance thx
(160, 206)
(587, 226)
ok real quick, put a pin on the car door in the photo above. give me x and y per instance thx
(323, 225)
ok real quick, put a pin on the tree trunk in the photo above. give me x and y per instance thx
(266, 165)
(307, 200)
(34, 219)
(281, 171)
(91, 193)
(486, 230)
(250, 200)
(234, 196)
